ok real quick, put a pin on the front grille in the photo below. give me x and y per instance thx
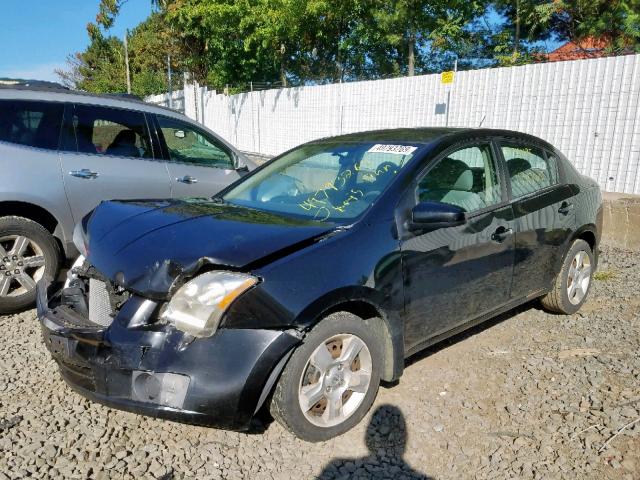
(100, 309)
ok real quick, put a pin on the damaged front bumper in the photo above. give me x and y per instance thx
(140, 366)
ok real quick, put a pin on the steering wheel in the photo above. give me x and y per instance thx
(258, 194)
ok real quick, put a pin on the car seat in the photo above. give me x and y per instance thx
(525, 179)
(451, 181)
(124, 145)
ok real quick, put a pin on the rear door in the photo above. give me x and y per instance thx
(107, 154)
(456, 274)
(199, 164)
(544, 214)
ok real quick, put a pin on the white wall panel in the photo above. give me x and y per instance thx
(589, 109)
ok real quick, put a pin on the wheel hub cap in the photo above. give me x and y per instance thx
(22, 264)
(335, 380)
(579, 277)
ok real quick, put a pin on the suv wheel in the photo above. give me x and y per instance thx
(331, 380)
(28, 252)
(572, 284)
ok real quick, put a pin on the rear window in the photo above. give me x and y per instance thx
(32, 124)
(529, 169)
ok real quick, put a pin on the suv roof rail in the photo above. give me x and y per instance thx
(20, 82)
(51, 87)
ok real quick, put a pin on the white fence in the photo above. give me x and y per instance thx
(174, 101)
(589, 109)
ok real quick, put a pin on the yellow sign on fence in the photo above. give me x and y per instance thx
(447, 77)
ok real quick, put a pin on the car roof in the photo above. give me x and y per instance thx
(60, 94)
(428, 135)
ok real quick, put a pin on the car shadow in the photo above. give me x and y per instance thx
(263, 419)
(470, 332)
(386, 439)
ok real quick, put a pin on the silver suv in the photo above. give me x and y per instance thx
(63, 152)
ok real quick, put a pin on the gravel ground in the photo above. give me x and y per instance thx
(530, 395)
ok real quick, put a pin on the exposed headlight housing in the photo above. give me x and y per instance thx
(71, 275)
(197, 307)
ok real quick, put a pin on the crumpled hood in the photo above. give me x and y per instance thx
(145, 246)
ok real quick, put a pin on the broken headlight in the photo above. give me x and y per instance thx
(197, 307)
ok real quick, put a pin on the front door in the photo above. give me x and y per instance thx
(199, 164)
(106, 154)
(456, 274)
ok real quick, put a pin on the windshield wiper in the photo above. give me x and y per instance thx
(218, 200)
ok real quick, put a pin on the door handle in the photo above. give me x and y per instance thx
(84, 173)
(501, 234)
(188, 179)
(565, 208)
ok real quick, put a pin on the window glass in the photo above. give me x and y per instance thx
(187, 144)
(528, 169)
(330, 181)
(34, 124)
(466, 178)
(109, 131)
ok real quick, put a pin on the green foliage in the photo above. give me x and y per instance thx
(101, 67)
(616, 21)
(233, 43)
(528, 21)
(604, 275)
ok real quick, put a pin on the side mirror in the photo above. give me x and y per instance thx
(429, 216)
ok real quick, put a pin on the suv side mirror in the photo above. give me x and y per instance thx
(429, 216)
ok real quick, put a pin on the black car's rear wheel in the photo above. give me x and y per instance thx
(572, 284)
(28, 253)
(331, 380)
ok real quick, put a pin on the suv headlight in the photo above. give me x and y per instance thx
(79, 239)
(197, 307)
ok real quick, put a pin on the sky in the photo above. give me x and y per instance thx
(38, 35)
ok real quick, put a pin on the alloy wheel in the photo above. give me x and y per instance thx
(579, 277)
(335, 380)
(22, 265)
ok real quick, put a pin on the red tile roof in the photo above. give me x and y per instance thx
(587, 48)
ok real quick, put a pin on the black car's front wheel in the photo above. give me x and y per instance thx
(331, 380)
(572, 284)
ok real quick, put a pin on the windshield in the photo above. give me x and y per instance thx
(332, 182)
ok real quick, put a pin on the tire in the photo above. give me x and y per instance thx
(560, 299)
(27, 250)
(336, 334)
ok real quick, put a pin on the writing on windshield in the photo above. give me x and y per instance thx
(333, 182)
(321, 205)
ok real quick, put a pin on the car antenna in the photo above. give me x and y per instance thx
(482, 121)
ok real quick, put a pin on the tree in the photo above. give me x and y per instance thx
(295, 42)
(526, 22)
(617, 22)
(101, 67)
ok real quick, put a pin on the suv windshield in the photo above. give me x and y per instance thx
(324, 182)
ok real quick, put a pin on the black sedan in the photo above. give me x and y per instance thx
(307, 282)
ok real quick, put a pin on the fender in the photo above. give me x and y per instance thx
(376, 310)
(20, 205)
(591, 228)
